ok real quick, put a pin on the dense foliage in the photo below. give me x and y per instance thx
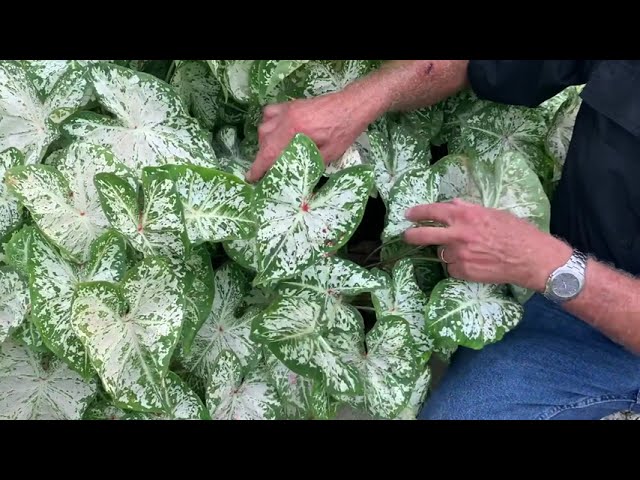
(143, 278)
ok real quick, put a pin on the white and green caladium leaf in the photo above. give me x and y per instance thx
(401, 296)
(426, 122)
(155, 228)
(418, 396)
(104, 409)
(52, 282)
(301, 397)
(199, 90)
(396, 149)
(184, 404)
(33, 388)
(328, 283)
(295, 330)
(216, 205)
(506, 183)
(326, 76)
(151, 125)
(130, 332)
(550, 107)
(267, 76)
(14, 301)
(62, 198)
(197, 292)
(386, 361)
(10, 208)
(229, 152)
(27, 334)
(353, 156)
(235, 77)
(47, 73)
(24, 118)
(427, 266)
(415, 187)
(232, 395)
(471, 314)
(243, 252)
(560, 132)
(71, 91)
(295, 225)
(16, 250)
(224, 329)
(496, 129)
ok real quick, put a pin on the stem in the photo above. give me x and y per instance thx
(381, 246)
(172, 68)
(362, 307)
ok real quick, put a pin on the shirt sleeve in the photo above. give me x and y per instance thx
(525, 82)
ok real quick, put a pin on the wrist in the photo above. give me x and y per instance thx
(548, 256)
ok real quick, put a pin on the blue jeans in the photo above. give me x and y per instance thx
(551, 366)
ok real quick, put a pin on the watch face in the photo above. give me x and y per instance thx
(566, 285)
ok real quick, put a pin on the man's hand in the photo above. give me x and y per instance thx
(488, 245)
(332, 121)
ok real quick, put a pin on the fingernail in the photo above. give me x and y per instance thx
(407, 213)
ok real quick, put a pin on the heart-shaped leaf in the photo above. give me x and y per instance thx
(223, 329)
(386, 362)
(197, 292)
(151, 125)
(229, 152)
(401, 297)
(326, 76)
(471, 314)
(24, 118)
(295, 225)
(418, 396)
(130, 332)
(14, 301)
(62, 198)
(52, 281)
(155, 228)
(216, 205)
(295, 330)
(395, 149)
(415, 187)
(199, 91)
(328, 283)
(231, 395)
(10, 207)
(496, 129)
(505, 183)
(36, 388)
(301, 397)
(561, 131)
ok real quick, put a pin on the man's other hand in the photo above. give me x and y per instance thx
(333, 121)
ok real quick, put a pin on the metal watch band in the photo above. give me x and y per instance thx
(576, 265)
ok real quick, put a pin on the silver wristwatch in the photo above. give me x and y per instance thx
(567, 281)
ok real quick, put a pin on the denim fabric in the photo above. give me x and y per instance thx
(551, 366)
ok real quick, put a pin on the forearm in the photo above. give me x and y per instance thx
(609, 301)
(403, 85)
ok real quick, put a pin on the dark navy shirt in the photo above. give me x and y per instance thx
(596, 206)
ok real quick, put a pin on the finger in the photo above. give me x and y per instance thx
(272, 110)
(430, 235)
(265, 128)
(443, 212)
(264, 159)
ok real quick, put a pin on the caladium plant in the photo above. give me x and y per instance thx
(143, 278)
